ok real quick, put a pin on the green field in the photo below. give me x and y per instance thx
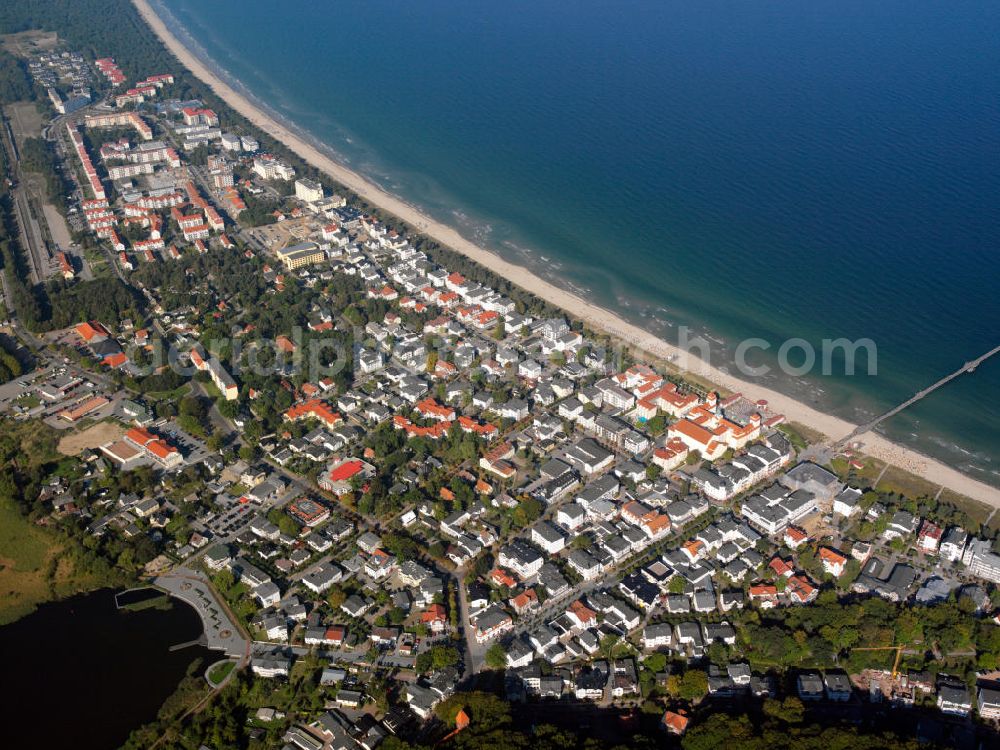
(33, 569)
(28, 559)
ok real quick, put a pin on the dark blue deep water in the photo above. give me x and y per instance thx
(747, 168)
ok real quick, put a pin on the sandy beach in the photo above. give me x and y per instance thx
(595, 317)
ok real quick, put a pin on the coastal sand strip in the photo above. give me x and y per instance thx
(596, 317)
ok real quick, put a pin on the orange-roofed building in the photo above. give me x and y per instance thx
(801, 590)
(115, 360)
(431, 409)
(154, 447)
(435, 618)
(501, 577)
(139, 436)
(525, 602)
(795, 537)
(656, 525)
(833, 561)
(694, 549)
(764, 594)
(87, 407)
(92, 331)
(434, 432)
(674, 722)
(581, 614)
(469, 425)
(671, 455)
(314, 409)
(698, 439)
(781, 568)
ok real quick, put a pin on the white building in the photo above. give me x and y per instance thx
(231, 142)
(308, 190)
(981, 561)
(269, 168)
(953, 544)
(548, 537)
(846, 502)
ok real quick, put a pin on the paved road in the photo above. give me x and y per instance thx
(475, 652)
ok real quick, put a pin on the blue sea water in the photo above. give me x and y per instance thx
(749, 168)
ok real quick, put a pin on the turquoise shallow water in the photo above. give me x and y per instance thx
(768, 169)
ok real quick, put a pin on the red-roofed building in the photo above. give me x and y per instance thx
(92, 331)
(795, 537)
(674, 722)
(314, 409)
(339, 475)
(115, 360)
(435, 618)
(833, 561)
(501, 577)
(347, 470)
(155, 447)
(929, 538)
(525, 602)
(781, 568)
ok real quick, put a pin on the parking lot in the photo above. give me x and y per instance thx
(231, 522)
(193, 450)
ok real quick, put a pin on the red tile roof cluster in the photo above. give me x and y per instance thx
(314, 408)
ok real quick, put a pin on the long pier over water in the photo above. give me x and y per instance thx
(969, 367)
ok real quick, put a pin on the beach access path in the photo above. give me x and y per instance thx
(597, 318)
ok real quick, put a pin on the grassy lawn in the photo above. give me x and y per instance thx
(176, 393)
(220, 672)
(800, 435)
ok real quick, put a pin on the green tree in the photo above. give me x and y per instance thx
(496, 657)
(693, 685)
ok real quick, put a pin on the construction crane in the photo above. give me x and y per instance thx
(895, 663)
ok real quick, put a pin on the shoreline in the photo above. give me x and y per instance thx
(594, 316)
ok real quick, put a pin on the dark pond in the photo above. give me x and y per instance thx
(81, 673)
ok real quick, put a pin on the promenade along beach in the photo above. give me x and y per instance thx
(591, 314)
